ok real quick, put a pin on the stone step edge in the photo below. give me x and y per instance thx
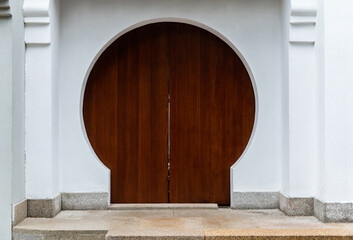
(300, 232)
(36, 234)
(235, 234)
(206, 234)
(157, 206)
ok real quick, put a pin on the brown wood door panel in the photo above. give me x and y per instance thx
(212, 115)
(126, 114)
(212, 110)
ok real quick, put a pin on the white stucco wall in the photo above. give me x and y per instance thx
(253, 27)
(285, 19)
(259, 169)
(320, 77)
(338, 70)
(40, 166)
(300, 99)
(42, 130)
(302, 142)
(54, 13)
(18, 112)
(5, 127)
(12, 159)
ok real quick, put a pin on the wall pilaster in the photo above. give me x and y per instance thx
(6, 85)
(40, 166)
(300, 166)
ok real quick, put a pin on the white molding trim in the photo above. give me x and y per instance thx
(303, 7)
(303, 21)
(5, 11)
(37, 21)
(35, 8)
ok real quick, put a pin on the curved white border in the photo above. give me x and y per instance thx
(179, 20)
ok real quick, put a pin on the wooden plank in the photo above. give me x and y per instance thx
(212, 115)
(126, 114)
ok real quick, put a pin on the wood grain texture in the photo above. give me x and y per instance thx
(212, 111)
(212, 115)
(126, 114)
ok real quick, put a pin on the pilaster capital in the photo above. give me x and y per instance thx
(303, 21)
(37, 21)
(5, 9)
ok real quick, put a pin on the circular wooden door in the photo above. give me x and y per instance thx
(168, 108)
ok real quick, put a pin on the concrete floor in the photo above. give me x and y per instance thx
(193, 223)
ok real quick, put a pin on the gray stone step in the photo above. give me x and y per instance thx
(237, 234)
(158, 206)
(28, 234)
(195, 234)
(179, 224)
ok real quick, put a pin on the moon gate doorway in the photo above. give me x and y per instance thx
(169, 108)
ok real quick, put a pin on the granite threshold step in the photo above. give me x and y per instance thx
(205, 234)
(238, 234)
(179, 224)
(160, 206)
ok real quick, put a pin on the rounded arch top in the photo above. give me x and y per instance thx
(176, 45)
(175, 20)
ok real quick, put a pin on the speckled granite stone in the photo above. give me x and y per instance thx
(59, 235)
(156, 206)
(333, 212)
(180, 224)
(19, 212)
(156, 234)
(319, 210)
(255, 200)
(85, 201)
(278, 238)
(286, 234)
(207, 234)
(45, 208)
(27, 236)
(296, 206)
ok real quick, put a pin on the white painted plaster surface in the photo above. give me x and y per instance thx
(299, 100)
(39, 137)
(320, 138)
(42, 129)
(5, 127)
(253, 27)
(12, 183)
(18, 106)
(285, 19)
(302, 121)
(320, 79)
(338, 70)
(302, 142)
(54, 12)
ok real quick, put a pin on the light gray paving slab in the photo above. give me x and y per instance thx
(59, 235)
(168, 224)
(27, 236)
(156, 234)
